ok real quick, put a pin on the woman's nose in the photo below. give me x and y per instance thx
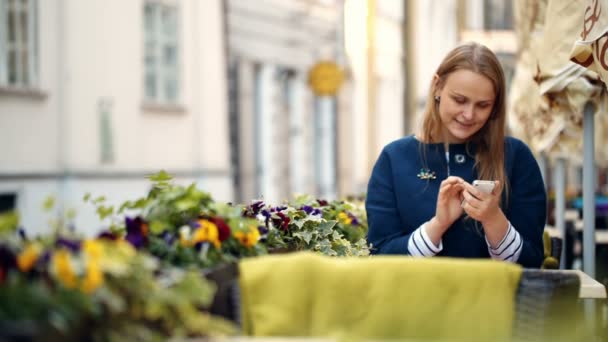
(468, 112)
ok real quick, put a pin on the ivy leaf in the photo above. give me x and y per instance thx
(157, 227)
(48, 203)
(99, 200)
(86, 197)
(161, 176)
(324, 246)
(325, 228)
(103, 211)
(8, 222)
(70, 214)
(305, 235)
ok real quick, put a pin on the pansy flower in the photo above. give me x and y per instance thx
(28, 257)
(248, 238)
(71, 245)
(7, 262)
(222, 227)
(353, 219)
(263, 230)
(63, 269)
(307, 209)
(282, 222)
(137, 231)
(344, 218)
(208, 231)
(94, 276)
(107, 235)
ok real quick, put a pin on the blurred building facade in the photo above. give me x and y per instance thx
(285, 139)
(95, 95)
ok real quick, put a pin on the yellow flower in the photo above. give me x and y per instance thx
(93, 249)
(344, 218)
(184, 236)
(93, 278)
(207, 232)
(28, 257)
(250, 238)
(63, 268)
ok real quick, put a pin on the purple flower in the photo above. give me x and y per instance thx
(263, 230)
(256, 206)
(353, 219)
(106, 235)
(22, 233)
(317, 211)
(194, 224)
(267, 215)
(168, 237)
(199, 245)
(72, 245)
(137, 231)
(7, 262)
(307, 209)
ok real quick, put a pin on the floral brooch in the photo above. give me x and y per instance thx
(426, 174)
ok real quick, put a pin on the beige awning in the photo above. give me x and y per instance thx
(549, 91)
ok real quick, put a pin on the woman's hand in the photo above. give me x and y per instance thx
(448, 208)
(448, 202)
(485, 208)
(481, 206)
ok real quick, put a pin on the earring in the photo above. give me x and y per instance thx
(437, 98)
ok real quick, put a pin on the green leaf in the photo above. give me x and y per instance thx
(140, 203)
(8, 221)
(305, 235)
(325, 228)
(157, 227)
(99, 200)
(48, 203)
(186, 204)
(160, 177)
(87, 197)
(103, 211)
(70, 214)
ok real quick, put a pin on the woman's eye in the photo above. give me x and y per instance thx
(459, 100)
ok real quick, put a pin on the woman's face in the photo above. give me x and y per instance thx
(467, 99)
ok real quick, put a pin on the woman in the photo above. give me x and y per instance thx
(420, 198)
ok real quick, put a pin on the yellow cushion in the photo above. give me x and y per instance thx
(381, 297)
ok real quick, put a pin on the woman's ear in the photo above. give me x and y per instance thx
(436, 85)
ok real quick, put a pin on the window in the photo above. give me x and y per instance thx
(161, 52)
(18, 43)
(498, 14)
(8, 202)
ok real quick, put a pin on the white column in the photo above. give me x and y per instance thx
(297, 123)
(325, 144)
(265, 104)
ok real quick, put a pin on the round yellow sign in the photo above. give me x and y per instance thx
(325, 78)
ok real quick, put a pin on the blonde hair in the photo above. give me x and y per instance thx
(489, 140)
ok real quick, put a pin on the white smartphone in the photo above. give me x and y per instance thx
(484, 185)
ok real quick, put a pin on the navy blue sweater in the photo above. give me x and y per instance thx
(398, 201)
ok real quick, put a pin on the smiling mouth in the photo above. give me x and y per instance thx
(465, 124)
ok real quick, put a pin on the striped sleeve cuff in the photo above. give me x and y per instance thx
(421, 245)
(509, 247)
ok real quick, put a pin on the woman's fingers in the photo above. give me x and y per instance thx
(497, 188)
(471, 200)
